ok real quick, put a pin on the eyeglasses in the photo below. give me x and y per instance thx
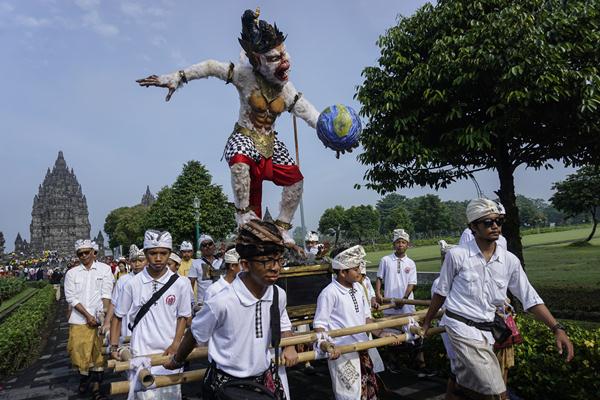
(207, 244)
(83, 253)
(489, 222)
(270, 262)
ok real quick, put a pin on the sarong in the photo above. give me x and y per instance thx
(352, 377)
(85, 348)
(476, 366)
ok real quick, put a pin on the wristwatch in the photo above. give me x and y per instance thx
(557, 327)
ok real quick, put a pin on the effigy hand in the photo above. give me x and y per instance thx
(155, 80)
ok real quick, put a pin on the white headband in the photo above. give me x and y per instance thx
(204, 238)
(154, 239)
(231, 257)
(350, 258)
(186, 246)
(311, 237)
(84, 244)
(400, 234)
(175, 258)
(480, 207)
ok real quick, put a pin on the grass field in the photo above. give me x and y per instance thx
(548, 262)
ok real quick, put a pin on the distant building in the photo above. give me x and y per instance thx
(60, 215)
(21, 245)
(100, 241)
(148, 198)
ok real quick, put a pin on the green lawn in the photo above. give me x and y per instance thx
(547, 264)
(16, 298)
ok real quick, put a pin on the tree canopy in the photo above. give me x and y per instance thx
(465, 86)
(126, 226)
(174, 211)
(580, 193)
(331, 222)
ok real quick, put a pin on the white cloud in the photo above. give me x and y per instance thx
(6, 8)
(92, 20)
(87, 5)
(140, 11)
(158, 41)
(32, 22)
(179, 59)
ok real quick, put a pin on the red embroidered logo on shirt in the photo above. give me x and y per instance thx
(170, 300)
(406, 270)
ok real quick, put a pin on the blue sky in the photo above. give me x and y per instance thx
(69, 70)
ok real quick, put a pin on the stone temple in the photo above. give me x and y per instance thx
(60, 214)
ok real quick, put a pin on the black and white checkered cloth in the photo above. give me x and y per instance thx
(242, 144)
(352, 291)
(258, 320)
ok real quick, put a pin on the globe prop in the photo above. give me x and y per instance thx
(339, 128)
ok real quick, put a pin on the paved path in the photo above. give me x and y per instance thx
(51, 377)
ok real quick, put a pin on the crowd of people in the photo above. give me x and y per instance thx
(168, 303)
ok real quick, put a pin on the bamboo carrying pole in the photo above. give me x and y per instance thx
(122, 387)
(195, 376)
(413, 302)
(202, 352)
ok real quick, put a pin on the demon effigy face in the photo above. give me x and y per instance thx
(274, 65)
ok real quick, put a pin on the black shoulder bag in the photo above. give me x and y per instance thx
(247, 389)
(146, 307)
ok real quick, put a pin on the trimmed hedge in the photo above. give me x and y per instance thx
(21, 332)
(539, 371)
(10, 286)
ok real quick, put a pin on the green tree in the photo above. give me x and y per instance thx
(126, 226)
(1, 244)
(457, 218)
(174, 211)
(361, 223)
(398, 217)
(464, 86)
(531, 211)
(430, 215)
(385, 206)
(332, 221)
(580, 193)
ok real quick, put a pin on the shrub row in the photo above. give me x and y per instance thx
(21, 332)
(539, 371)
(10, 286)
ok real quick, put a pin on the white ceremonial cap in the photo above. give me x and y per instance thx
(205, 238)
(311, 236)
(480, 207)
(363, 268)
(175, 258)
(135, 252)
(400, 234)
(501, 209)
(350, 258)
(154, 239)
(96, 247)
(444, 246)
(84, 244)
(186, 246)
(231, 257)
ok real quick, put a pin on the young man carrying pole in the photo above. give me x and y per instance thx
(157, 304)
(473, 282)
(244, 319)
(342, 304)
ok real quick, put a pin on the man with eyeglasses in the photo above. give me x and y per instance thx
(473, 281)
(88, 290)
(242, 321)
(205, 270)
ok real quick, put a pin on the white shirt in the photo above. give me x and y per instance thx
(203, 281)
(236, 326)
(87, 287)
(341, 307)
(118, 290)
(396, 274)
(156, 330)
(467, 236)
(215, 288)
(474, 288)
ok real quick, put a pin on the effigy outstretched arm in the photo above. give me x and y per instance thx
(301, 107)
(174, 80)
